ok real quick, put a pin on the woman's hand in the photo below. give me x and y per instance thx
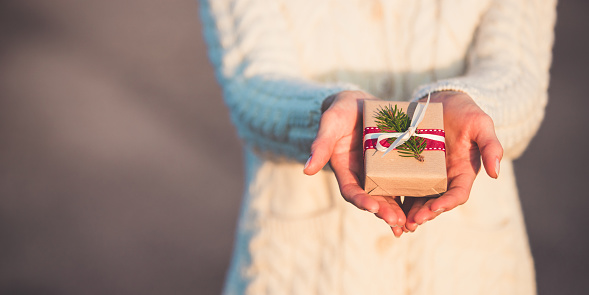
(470, 134)
(339, 141)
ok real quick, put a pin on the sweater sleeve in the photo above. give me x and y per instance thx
(508, 69)
(274, 108)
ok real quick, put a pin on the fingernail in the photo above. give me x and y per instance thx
(440, 210)
(308, 160)
(497, 167)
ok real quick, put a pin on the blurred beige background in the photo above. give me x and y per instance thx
(120, 172)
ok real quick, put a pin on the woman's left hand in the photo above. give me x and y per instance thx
(470, 135)
(339, 142)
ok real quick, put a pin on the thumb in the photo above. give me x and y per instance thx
(322, 146)
(490, 147)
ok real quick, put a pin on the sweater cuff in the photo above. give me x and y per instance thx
(445, 85)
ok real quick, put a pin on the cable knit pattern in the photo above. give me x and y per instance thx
(508, 69)
(274, 108)
(277, 60)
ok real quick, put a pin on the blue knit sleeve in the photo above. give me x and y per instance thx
(272, 105)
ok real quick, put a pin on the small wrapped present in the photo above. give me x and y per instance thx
(404, 149)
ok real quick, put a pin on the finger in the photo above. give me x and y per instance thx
(397, 205)
(390, 211)
(424, 213)
(406, 206)
(457, 194)
(397, 231)
(355, 195)
(417, 204)
(323, 145)
(490, 147)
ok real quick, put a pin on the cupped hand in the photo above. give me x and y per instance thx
(470, 135)
(339, 142)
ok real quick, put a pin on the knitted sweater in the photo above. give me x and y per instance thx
(277, 61)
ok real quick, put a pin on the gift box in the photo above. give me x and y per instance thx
(410, 161)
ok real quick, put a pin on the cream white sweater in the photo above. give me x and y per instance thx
(277, 60)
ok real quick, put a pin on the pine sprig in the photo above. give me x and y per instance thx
(393, 119)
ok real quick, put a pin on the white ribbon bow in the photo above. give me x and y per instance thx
(404, 136)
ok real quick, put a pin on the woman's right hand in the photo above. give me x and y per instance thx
(470, 138)
(339, 142)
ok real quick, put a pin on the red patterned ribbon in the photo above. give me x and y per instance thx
(431, 145)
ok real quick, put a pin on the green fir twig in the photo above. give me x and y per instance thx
(393, 119)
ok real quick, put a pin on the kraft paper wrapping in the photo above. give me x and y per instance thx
(393, 175)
